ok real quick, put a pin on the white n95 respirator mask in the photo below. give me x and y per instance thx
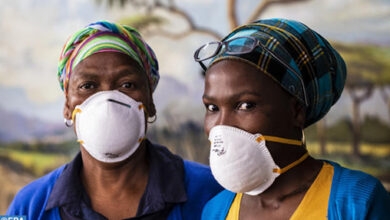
(110, 125)
(241, 162)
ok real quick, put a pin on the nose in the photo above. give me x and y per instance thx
(226, 118)
(106, 86)
(223, 117)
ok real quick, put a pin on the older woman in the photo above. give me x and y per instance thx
(266, 82)
(108, 74)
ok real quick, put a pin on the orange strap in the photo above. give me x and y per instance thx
(279, 140)
(293, 164)
(75, 111)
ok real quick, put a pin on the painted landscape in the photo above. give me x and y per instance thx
(34, 140)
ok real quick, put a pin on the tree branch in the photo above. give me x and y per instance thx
(384, 94)
(192, 26)
(386, 97)
(263, 5)
(259, 10)
(232, 16)
(358, 99)
(180, 35)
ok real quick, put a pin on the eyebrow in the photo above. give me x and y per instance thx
(235, 96)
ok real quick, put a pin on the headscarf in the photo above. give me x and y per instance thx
(104, 36)
(309, 54)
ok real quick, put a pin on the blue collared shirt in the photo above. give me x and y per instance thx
(165, 188)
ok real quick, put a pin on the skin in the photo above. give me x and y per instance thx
(238, 94)
(115, 189)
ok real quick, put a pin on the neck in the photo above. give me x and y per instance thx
(295, 181)
(121, 179)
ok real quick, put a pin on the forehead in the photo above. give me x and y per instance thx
(227, 78)
(233, 74)
(106, 63)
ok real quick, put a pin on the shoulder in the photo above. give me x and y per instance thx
(357, 192)
(196, 170)
(354, 182)
(196, 174)
(218, 207)
(199, 176)
(200, 187)
(31, 199)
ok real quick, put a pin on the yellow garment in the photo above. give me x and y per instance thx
(314, 204)
(234, 211)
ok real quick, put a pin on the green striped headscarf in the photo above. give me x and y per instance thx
(104, 36)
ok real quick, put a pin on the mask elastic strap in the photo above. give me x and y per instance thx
(279, 140)
(284, 141)
(141, 139)
(293, 164)
(141, 106)
(75, 111)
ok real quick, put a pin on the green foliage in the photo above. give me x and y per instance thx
(379, 151)
(35, 162)
(373, 130)
(38, 158)
(67, 147)
(365, 63)
(370, 164)
(340, 131)
(374, 159)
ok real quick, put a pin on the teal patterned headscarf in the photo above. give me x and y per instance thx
(309, 54)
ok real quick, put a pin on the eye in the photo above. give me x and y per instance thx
(211, 108)
(88, 85)
(128, 85)
(245, 106)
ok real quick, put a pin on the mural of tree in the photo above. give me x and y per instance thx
(150, 10)
(368, 68)
(385, 96)
(321, 135)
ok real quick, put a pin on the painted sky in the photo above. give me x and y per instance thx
(33, 33)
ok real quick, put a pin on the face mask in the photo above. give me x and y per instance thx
(241, 162)
(110, 125)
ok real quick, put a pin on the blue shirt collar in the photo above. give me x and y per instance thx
(165, 185)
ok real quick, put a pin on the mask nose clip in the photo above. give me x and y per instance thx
(118, 102)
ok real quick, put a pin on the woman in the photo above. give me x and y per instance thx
(108, 74)
(266, 82)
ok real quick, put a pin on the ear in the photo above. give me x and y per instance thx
(151, 108)
(299, 114)
(67, 111)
